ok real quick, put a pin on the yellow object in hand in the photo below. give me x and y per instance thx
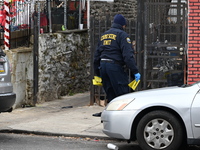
(134, 84)
(97, 81)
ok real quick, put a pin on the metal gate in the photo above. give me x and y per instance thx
(161, 43)
(97, 27)
(165, 42)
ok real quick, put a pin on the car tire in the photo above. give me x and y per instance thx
(159, 130)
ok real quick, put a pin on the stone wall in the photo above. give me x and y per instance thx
(127, 8)
(64, 65)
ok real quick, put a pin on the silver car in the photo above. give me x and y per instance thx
(158, 119)
(7, 97)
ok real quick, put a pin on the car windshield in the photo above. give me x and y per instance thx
(188, 85)
(2, 52)
(195, 83)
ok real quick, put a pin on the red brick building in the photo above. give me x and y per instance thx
(193, 41)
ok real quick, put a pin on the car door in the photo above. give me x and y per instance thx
(195, 112)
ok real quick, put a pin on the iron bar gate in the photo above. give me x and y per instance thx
(164, 44)
(97, 27)
(161, 43)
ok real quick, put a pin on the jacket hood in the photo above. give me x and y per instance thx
(118, 26)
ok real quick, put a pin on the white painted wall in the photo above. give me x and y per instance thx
(22, 74)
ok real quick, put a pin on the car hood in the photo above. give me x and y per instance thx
(173, 97)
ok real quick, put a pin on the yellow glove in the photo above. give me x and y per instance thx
(97, 81)
(134, 84)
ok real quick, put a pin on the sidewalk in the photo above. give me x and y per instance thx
(69, 116)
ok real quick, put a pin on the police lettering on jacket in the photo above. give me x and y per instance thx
(107, 38)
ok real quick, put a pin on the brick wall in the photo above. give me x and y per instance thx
(194, 41)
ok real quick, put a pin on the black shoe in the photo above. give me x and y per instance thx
(97, 115)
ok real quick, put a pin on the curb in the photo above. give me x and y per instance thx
(54, 134)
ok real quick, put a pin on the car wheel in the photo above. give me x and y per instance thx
(159, 130)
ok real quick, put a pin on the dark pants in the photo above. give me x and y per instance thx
(115, 80)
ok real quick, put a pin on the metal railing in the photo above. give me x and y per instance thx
(51, 16)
